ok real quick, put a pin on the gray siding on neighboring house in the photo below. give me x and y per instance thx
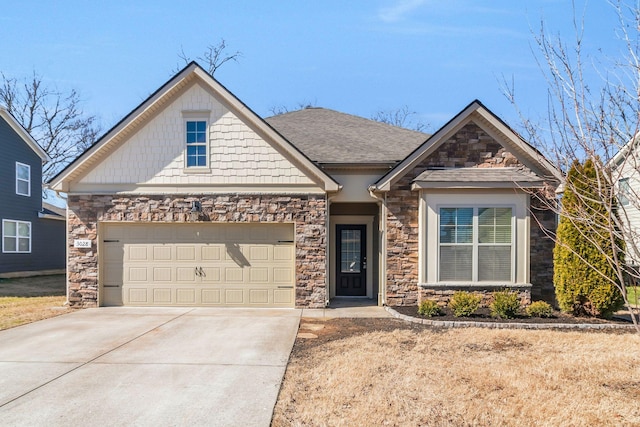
(47, 235)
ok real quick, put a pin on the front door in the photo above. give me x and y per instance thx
(351, 260)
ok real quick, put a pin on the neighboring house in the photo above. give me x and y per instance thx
(193, 199)
(33, 235)
(624, 170)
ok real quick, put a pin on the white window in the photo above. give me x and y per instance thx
(624, 191)
(476, 244)
(196, 137)
(23, 179)
(16, 236)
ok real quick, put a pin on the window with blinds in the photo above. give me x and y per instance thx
(476, 244)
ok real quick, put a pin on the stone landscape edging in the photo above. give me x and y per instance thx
(503, 325)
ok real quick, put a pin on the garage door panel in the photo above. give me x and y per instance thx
(234, 296)
(185, 274)
(136, 296)
(232, 274)
(185, 253)
(211, 274)
(162, 295)
(186, 296)
(259, 253)
(258, 275)
(210, 253)
(259, 296)
(198, 264)
(137, 253)
(210, 296)
(162, 253)
(162, 274)
(137, 274)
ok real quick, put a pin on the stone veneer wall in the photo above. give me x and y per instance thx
(469, 147)
(308, 212)
(543, 221)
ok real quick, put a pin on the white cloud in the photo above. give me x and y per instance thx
(399, 10)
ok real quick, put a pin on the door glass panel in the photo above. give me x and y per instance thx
(350, 250)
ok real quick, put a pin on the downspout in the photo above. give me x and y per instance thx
(382, 255)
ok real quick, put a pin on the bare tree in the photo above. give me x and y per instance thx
(53, 118)
(401, 117)
(282, 109)
(596, 119)
(213, 58)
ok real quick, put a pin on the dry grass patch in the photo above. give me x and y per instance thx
(28, 299)
(16, 311)
(461, 377)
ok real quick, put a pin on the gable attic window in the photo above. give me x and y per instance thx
(196, 143)
(196, 140)
(23, 179)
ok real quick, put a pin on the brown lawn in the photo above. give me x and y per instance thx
(26, 300)
(386, 372)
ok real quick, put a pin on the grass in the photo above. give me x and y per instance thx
(16, 311)
(26, 300)
(633, 294)
(463, 377)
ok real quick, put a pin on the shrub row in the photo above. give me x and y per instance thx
(505, 305)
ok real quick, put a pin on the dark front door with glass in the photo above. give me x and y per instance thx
(351, 256)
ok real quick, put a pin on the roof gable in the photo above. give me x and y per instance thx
(499, 133)
(191, 76)
(24, 135)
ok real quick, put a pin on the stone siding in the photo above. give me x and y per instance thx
(307, 212)
(443, 294)
(543, 221)
(469, 147)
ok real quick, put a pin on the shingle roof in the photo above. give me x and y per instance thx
(327, 136)
(508, 176)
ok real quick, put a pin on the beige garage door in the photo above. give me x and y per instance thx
(197, 265)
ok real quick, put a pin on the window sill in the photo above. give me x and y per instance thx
(478, 285)
(197, 170)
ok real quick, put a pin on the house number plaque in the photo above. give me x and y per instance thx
(81, 243)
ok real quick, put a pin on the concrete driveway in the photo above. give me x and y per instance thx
(146, 366)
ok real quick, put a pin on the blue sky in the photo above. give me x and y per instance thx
(358, 57)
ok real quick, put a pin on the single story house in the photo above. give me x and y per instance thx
(194, 200)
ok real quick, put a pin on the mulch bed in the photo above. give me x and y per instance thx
(483, 315)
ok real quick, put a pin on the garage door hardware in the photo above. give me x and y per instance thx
(285, 241)
(110, 241)
(285, 287)
(200, 272)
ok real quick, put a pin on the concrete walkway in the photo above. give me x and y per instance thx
(347, 307)
(146, 367)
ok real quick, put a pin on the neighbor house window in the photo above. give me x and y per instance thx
(16, 236)
(196, 143)
(476, 244)
(624, 191)
(23, 179)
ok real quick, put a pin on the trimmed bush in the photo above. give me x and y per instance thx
(429, 308)
(505, 305)
(464, 303)
(539, 309)
(584, 275)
